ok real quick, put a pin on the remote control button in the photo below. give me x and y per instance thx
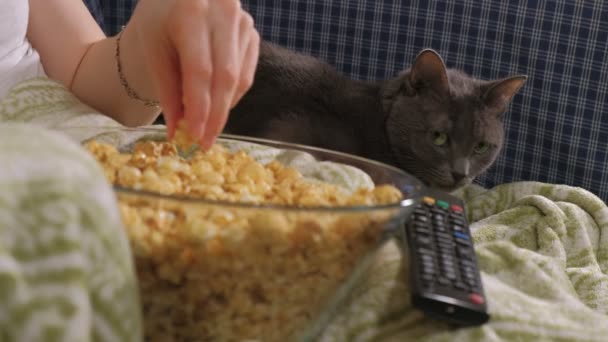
(458, 228)
(446, 256)
(446, 252)
(465, 254)
(428, 234)
(444, 228)
(470, 279)
(457, 221)
(444, 237)
(444, 281)
(428, 286)
(424, 240)
(438, 218)
(427, 277)
(421, 230)
(468, 270)
(467, 263)
(420, 224)
(441, 240)
(463, 242)
(457, 214)
(461, 227)
(456, 208)
(440, 224)
(450, 275)
(443, 204)
(476, 299)
(430, 201)
(448, 260)
(429, 262)
(444, 243)
(437, 210)
(460, 235)
(426, 251)
(427, 258)
(421, 218)
(420, 211)
(427, 270)
(429, 266)
(447, 265)
(469, 274)
(460, 285)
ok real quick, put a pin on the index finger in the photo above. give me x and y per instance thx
(192, 41)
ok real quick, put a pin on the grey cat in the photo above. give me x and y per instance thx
(438, 124)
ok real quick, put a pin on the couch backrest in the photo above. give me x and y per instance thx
(557, 127)
(111, 14)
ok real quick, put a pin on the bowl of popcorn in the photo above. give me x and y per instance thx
(252, 239)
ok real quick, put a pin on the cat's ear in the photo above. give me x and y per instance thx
(500, 93)
(429, 72)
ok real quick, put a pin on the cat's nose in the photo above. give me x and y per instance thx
(460, 169)
(458, 176)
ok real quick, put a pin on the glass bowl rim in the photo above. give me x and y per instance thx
(413, 198)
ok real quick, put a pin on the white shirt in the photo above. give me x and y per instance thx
(18, 60)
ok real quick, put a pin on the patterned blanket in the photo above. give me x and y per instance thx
(66, 273)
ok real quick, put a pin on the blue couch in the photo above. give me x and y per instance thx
(557, 128)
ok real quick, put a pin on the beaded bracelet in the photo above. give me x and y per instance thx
(123, 80)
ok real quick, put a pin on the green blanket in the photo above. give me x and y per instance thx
(543, 249)
(543, 252)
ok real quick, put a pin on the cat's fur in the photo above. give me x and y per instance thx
(297, 98)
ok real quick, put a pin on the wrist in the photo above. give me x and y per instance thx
(133, 73)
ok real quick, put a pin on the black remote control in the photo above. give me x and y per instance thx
(445, 280)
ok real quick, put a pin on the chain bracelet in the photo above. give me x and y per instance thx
(123, 80)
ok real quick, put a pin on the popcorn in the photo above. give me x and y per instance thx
(182, 137)
(221, 272)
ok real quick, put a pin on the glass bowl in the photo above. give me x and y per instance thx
(224, 271)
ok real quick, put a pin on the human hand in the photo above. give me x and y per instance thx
(201, 56)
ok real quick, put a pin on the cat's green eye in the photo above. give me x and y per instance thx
(481, 148)
(439, 138)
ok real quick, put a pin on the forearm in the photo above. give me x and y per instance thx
(75, 52)
(97, 82)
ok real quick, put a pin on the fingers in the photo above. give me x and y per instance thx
(231, 89)
(197, 66)
(226, 67)
(250, 40)
(193, 43)
(167, 79)
(217, 50)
